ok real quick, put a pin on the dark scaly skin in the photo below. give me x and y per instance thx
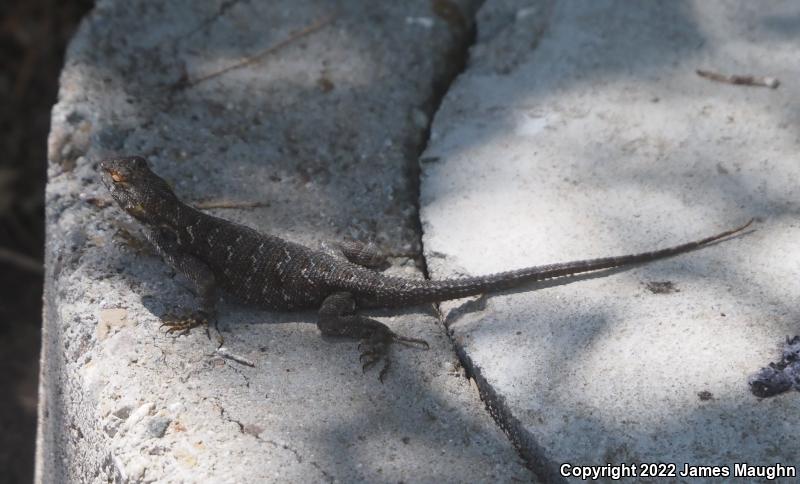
(274, 273)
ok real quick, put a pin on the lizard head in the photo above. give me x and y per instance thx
(135, 188)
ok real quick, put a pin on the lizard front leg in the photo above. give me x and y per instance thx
(337, 318)
(197, 272)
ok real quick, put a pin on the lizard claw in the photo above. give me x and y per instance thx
(384, 370)
(182, 325)
(373, 349)
(368, 354)
(369, 364)
(373, 358)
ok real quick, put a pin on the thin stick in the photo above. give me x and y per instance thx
(769, 82)
(269, 50)
(225, 353)
(209, 204)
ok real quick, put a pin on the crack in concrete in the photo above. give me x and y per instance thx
(221, 10)
(522, 440)
(459, 56)
(255, 432)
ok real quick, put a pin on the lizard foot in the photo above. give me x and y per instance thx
(182, 325)
(375, 347)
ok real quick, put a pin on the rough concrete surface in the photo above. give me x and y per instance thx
(580, 129)
(326, 131)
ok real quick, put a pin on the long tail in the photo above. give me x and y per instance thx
(433, 291)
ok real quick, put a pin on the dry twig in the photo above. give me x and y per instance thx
(269, 50)
(770, 82)
(225, 353)
(209, 204)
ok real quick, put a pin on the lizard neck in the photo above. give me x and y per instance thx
(170, 214)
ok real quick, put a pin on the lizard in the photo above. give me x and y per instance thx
(257, 268)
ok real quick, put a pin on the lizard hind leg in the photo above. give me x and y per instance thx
(365, 255)
(337, 318)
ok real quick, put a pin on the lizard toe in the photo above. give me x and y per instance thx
(370, 362)
(183, 325)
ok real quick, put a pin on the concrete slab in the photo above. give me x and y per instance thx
(325, 132)
(580, 129)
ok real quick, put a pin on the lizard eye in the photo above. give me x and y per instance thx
(117, 177)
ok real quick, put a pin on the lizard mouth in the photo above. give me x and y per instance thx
(115, 175)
